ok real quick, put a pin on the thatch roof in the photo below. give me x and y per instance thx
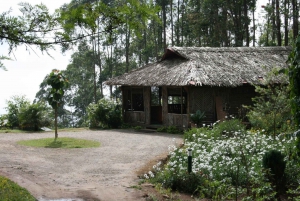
(230, 66)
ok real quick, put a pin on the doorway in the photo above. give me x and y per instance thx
(156, 105)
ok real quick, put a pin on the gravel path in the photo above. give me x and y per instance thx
(103, 173)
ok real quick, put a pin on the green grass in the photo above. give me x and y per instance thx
(63, 142)
(9, 190)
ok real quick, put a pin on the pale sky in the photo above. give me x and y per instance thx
(28, 69)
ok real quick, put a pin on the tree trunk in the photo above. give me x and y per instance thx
(278, 24)
(253, 21)
(273, 22)
(177, 27)
(127, 35)
(94, 70)
(164, 24)
(172, 26)
(286, 22)
(295, 18)
(246, 23)
(99, 60)
(55, 124)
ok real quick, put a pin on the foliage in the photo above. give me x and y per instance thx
(173, 130)
(3, 122)
(137, 128)
(273, 161)
(79, 93)
(162, 129)
(13, 108)
(126, 126)
(197, 117)
(30, 29)
(9, 190)
(106, 113)
(229, 165)
(57, 82)
(3, 58)
(34, 116)
(63, 142)
(261, 189)
(271, 109)
(229, 127)
(168, 129)
(294, 74)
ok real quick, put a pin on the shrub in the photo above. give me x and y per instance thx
(13, 107)
(34, 116)
(273, 160)
(229, 127)
(105, 113)
(3, 122)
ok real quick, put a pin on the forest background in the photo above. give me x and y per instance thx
(213, 23)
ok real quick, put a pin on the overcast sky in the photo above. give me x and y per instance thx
(28, 69)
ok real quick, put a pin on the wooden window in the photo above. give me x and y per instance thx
(176, 100)
(135, 99)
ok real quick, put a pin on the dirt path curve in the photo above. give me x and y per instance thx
(103, 173)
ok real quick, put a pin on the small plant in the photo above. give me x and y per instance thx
(137, 128)
(173, 130)
(198, 117)
(162, 129)
(169, 129)
(125, 126)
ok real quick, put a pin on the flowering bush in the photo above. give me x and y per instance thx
(230, 161)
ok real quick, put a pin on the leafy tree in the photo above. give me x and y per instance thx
(13, 108)
(80, 94)
(271, 109)
(57, 82)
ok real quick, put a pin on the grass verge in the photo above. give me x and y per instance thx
(9, 190)
(63, 142)
(59, 130)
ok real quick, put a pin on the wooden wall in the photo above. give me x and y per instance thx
(198, 98)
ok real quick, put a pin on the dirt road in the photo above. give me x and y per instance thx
(104, 173)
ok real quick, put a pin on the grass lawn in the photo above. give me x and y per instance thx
(9, 190)
(63, 142)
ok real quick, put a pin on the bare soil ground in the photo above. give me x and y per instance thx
(106, 173)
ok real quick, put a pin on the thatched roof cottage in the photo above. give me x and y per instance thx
(217, 81)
